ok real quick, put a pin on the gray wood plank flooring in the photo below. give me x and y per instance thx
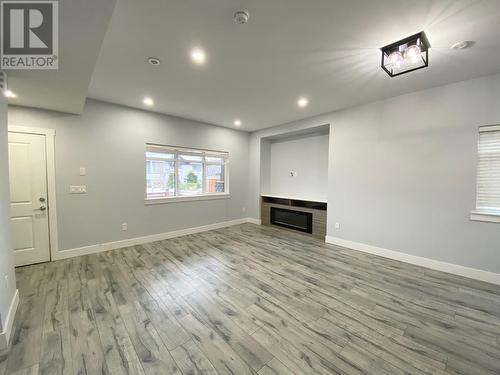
(249, 300)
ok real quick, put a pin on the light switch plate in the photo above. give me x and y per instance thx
(78, 189)
(83, 171)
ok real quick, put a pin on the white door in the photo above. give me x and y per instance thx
(28, 198)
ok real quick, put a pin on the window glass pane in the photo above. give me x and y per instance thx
(191, 157)
(215, 179)
(158, 155)
(175, 172)
(190, 179)
(160, 179)
(488, 177)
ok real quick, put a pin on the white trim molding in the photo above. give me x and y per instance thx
(176, 199)
(492, 217)
(473, 273)
(254, 221)
(32, 130)
(92, 249)
(489, 128)
(51, 180)
(9, 322)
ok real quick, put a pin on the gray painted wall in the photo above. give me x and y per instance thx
(402, 172)
(7, 276)
(306, 155)
(109, 140)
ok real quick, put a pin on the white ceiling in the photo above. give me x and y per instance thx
(327, 50)
(82, 25)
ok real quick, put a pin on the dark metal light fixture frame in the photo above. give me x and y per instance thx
(419, 39)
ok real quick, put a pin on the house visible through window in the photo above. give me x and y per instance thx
(182, 172)
(488, 174)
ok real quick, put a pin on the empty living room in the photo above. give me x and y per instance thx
(263, 187)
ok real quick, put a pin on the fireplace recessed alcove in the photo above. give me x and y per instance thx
(294, 180)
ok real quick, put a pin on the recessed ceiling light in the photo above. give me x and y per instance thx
(237, 122)
(9, 94)
(198, 56)
(148, 101)
(462, 45)
(302, 102)
(154, 61)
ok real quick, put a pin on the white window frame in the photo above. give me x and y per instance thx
(492, 216)
(150, 147)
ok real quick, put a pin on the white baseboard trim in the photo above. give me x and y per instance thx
(92, 249)
(9, 322)
(254, 221)
(472, 273)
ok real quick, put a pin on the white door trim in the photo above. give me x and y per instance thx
(51, 180)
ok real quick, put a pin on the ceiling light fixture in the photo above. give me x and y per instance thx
(154, 61)
(198, 56)
(302, 102)
(9, 94)
(237, 122)
(148, 101)
(406, 55)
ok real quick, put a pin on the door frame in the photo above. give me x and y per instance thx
(50, 135)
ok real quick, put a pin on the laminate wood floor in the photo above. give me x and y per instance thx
(250, 300)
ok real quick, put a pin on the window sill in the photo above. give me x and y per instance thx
(186, 199)
(488, 216)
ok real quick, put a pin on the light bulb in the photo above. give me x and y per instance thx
(302, 102)
(148, 101)
(396, 59)
(198, 56)
(412, 54)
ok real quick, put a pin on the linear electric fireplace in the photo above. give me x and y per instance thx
(297, 220)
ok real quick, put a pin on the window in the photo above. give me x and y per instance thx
(174, 172)
(488, 175)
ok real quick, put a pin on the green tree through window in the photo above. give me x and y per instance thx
(191, 178)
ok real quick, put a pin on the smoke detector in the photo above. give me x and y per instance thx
(241, 17)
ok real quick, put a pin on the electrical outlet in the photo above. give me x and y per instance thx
(124, 226)
(337, 225)
(243, 209)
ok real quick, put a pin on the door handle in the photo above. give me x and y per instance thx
(42, 208)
